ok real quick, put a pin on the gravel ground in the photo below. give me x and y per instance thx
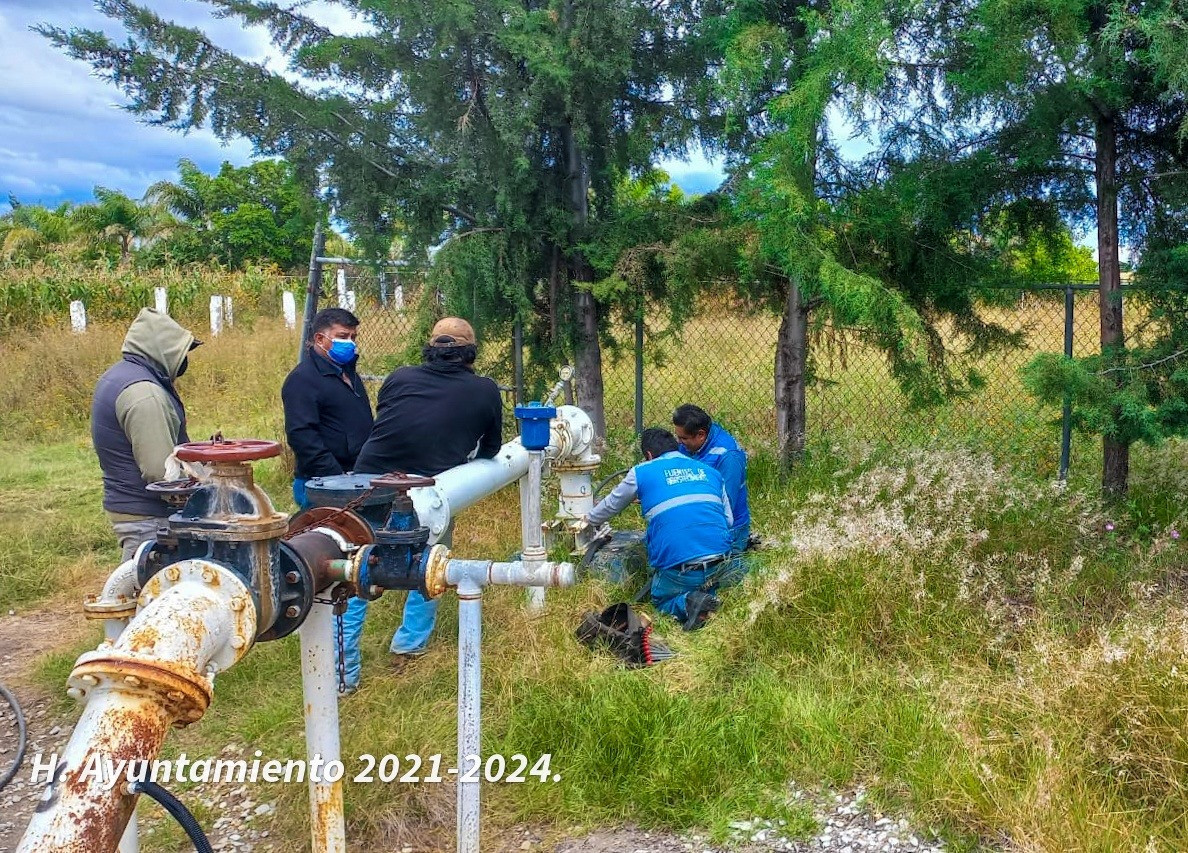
(845, 825)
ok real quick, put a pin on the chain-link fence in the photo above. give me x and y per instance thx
(723, 360)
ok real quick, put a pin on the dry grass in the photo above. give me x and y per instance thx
(974, 645)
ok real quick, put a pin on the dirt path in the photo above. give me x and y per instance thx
(24, 637)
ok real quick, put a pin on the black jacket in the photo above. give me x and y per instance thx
(326, 422)
(430, 418)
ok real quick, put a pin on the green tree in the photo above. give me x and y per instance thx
(887, 244)
(255, 213)
(117, 220)
(1085, 101)
(30, 231)
(503, 126)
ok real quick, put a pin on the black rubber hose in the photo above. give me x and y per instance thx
(602, 485)
(179, 812)
(22, 737)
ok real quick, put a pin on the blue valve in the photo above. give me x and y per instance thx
(534, 421)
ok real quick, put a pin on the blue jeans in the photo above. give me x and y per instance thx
(420, 615)
(670, 588)
(740, 535)
(299, 494)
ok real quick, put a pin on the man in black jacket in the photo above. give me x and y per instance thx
(327, 411)
(429, 418)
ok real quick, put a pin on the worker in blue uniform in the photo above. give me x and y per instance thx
(708, 442)
(687, 512)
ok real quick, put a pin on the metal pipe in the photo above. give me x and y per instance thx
(571, 443)
(1066, 411)
(639, 372)
(313, 287)
(470, 687)
(518, 573)
(320, 690)
(465, 485)
(530, 523)
(196, 619)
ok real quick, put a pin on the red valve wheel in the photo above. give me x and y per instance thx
(401, 481)
(228, 450)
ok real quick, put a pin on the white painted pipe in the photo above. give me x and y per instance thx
(517, 573)
(196, 618)
(130, 840)
(465, 485)
(320, 689)
(470, 690)
(119, 591)
(531, 531)
(571, 442)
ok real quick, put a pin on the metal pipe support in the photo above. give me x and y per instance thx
(320, 689)
(530, 524)
(470, 691)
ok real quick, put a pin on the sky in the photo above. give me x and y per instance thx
(63, 131)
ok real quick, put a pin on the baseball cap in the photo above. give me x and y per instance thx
(451, 332)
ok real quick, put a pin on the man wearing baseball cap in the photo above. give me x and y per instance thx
(429, 418)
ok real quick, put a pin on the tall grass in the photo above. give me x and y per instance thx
(999, 657)
(40, 294)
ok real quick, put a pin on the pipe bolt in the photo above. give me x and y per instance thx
(292, 611)
(76, 693)
(208, 576)
(131, 680)
(237, 604)
(89, 680)
(173, 573)
(292, 577)
(237, 642)
(175, 695)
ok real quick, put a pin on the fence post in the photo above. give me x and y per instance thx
(518, 359)
(639, 390)
(289, 309)
(161, 300)
(340, 281)
(228, 312)
(399, 296)
(383, 286)
(314, 289)
(78, 316)
(1066, 414)
(216, 314)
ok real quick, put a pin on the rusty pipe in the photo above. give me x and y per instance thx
(196, 618)
(320, 690)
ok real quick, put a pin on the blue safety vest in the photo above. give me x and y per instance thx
(681, 501)
(717, 445)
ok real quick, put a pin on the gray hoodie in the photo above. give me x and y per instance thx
(150, 417)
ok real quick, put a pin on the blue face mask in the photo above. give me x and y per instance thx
(342, 351)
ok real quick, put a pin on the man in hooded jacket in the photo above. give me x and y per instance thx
(137, 418)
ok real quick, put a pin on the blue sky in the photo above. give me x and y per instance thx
(62, 130)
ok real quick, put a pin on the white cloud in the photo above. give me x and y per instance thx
(63, 130)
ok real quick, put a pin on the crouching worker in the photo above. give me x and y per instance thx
(687, 512)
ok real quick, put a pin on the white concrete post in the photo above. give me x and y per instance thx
(216, 314)
(78, 316)
(340, 281)
(349, 304)
(399, 297)
(161, 300)
(228, 312)
(289, 308)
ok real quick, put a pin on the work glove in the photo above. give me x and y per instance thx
(177, 469)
